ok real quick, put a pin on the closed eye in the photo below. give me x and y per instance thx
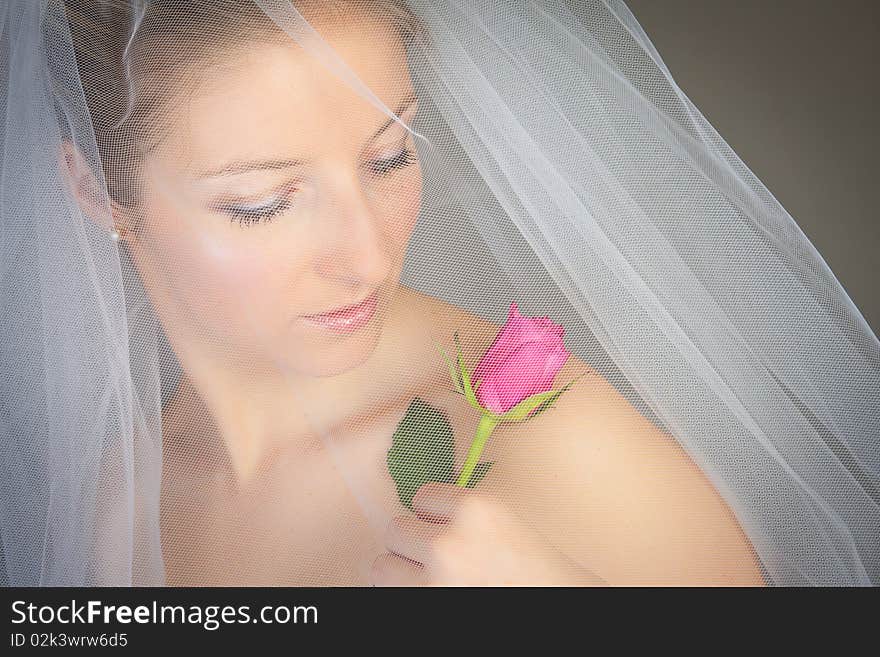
(248, 214)
(400, 160)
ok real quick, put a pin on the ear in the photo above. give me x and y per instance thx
(87, 191)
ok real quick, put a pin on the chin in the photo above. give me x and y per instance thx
(336, 354)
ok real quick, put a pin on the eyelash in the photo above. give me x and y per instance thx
(248, 216)
(404, 158)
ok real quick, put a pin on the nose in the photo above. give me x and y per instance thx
(357, 250)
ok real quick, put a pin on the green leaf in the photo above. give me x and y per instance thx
(547, 403)
(539, 402)
(469, 392)
(479, 472)
(456, 376)
(422, 450)
(522, 410)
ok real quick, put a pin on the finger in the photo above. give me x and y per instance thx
(391, 570)
(437, 502)
(411, 538)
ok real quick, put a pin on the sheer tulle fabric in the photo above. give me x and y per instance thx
(560, 167)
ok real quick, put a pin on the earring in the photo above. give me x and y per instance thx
(114, 234)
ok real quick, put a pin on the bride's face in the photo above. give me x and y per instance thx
(280, 193)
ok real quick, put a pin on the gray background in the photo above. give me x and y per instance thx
(792, 86)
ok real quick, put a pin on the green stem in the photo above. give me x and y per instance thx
(484, 430)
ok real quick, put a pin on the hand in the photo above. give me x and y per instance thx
(461, 538)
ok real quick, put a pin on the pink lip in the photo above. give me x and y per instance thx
(346, 319)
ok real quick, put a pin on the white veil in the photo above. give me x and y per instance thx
(562, 169)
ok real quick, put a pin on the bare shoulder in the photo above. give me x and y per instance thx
(601, 480)
(629, 501)
(439, 319)
(476, 333)
(443, 316)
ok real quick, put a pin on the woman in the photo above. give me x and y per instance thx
(268, 206)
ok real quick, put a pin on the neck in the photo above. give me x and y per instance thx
(259, 411)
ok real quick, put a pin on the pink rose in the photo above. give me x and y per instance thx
(524, 359)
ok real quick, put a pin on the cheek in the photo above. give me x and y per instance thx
(402, 207)
(234, 278)
(255, 275)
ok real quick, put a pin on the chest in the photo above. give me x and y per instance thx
(312, 520)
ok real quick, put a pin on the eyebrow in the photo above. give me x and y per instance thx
(409, 100)
(243, 166)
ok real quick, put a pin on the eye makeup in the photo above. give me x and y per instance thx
(247, 214)
(248, 211)
(261, 211)
(254, 209)
(399, 160)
